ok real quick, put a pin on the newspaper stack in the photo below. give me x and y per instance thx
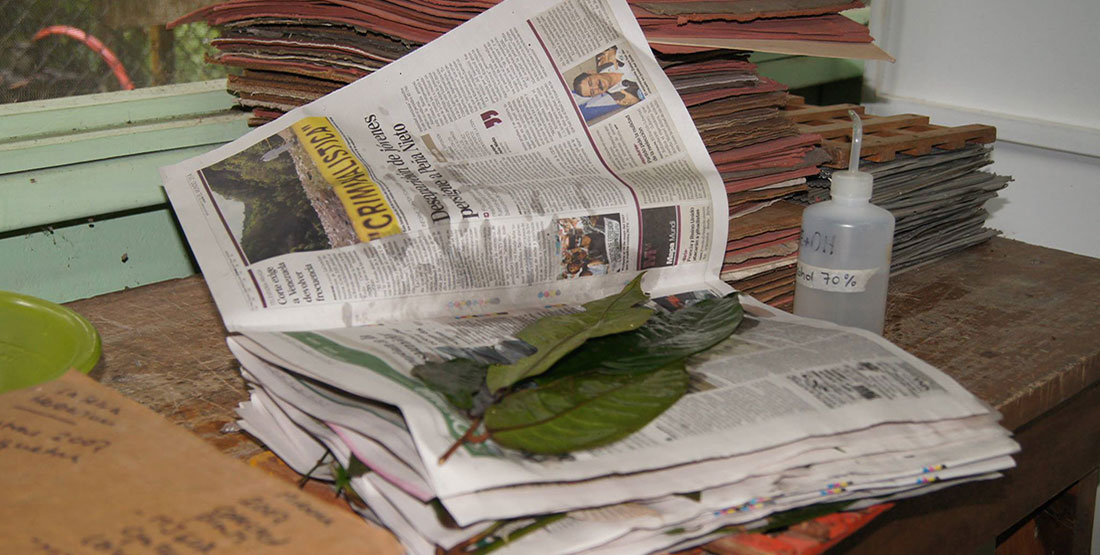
(937, 200)
(434, 208)
(752, 438)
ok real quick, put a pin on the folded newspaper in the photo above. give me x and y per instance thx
(529, 161)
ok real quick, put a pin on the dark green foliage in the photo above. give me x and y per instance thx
(58, 66)
(665, 338)
(557, 336)
(491, 540)
(584, 410)
(278, 217)
(460, 380)
(786, 519)
(610, 387)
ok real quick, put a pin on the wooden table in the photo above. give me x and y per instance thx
(1018, 325)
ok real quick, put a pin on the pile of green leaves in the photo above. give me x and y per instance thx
(595, 377)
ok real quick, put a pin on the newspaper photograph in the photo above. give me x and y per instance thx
(537, 150)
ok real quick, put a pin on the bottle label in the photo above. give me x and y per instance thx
(833, 279)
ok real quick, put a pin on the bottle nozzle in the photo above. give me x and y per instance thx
(857, 141)
(853, 184)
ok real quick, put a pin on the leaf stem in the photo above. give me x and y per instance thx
(308, 475)
(468, 437)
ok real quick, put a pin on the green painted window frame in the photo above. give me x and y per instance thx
(82, 210)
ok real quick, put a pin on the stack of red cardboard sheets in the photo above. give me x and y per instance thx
(762, 157)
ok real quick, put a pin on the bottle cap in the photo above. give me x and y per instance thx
(852, 183)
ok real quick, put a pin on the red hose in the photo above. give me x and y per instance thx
(95, 44)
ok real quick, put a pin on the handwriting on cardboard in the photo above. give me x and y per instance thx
(85, 470)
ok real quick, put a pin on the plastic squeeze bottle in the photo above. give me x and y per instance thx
(844, 253)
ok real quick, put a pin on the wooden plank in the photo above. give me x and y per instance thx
(94, 159)
(164, 347)
(1085, 513)
(80, 260)
(1013, 323)
(75, 114)
(89, 189)
(841, 126)
(883, 136)
(810, 113)
(952, 138)
(100, 144)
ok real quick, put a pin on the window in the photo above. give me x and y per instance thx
(57, 48)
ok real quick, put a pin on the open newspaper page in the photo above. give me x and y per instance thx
(537, 154)
(779, 379)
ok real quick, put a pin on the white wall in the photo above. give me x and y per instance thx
(1032, 70)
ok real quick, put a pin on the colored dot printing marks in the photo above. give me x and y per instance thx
(473, 302)
(750, 505)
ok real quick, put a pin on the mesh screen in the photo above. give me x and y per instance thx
(59, 64)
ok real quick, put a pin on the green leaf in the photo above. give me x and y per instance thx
(341, 480)
(356, 468)
(665, 338)
(460, 380)
(503, 533)
(584, 410)
(443, 515)
(555, 336)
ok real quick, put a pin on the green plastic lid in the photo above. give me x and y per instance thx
(40, 340)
